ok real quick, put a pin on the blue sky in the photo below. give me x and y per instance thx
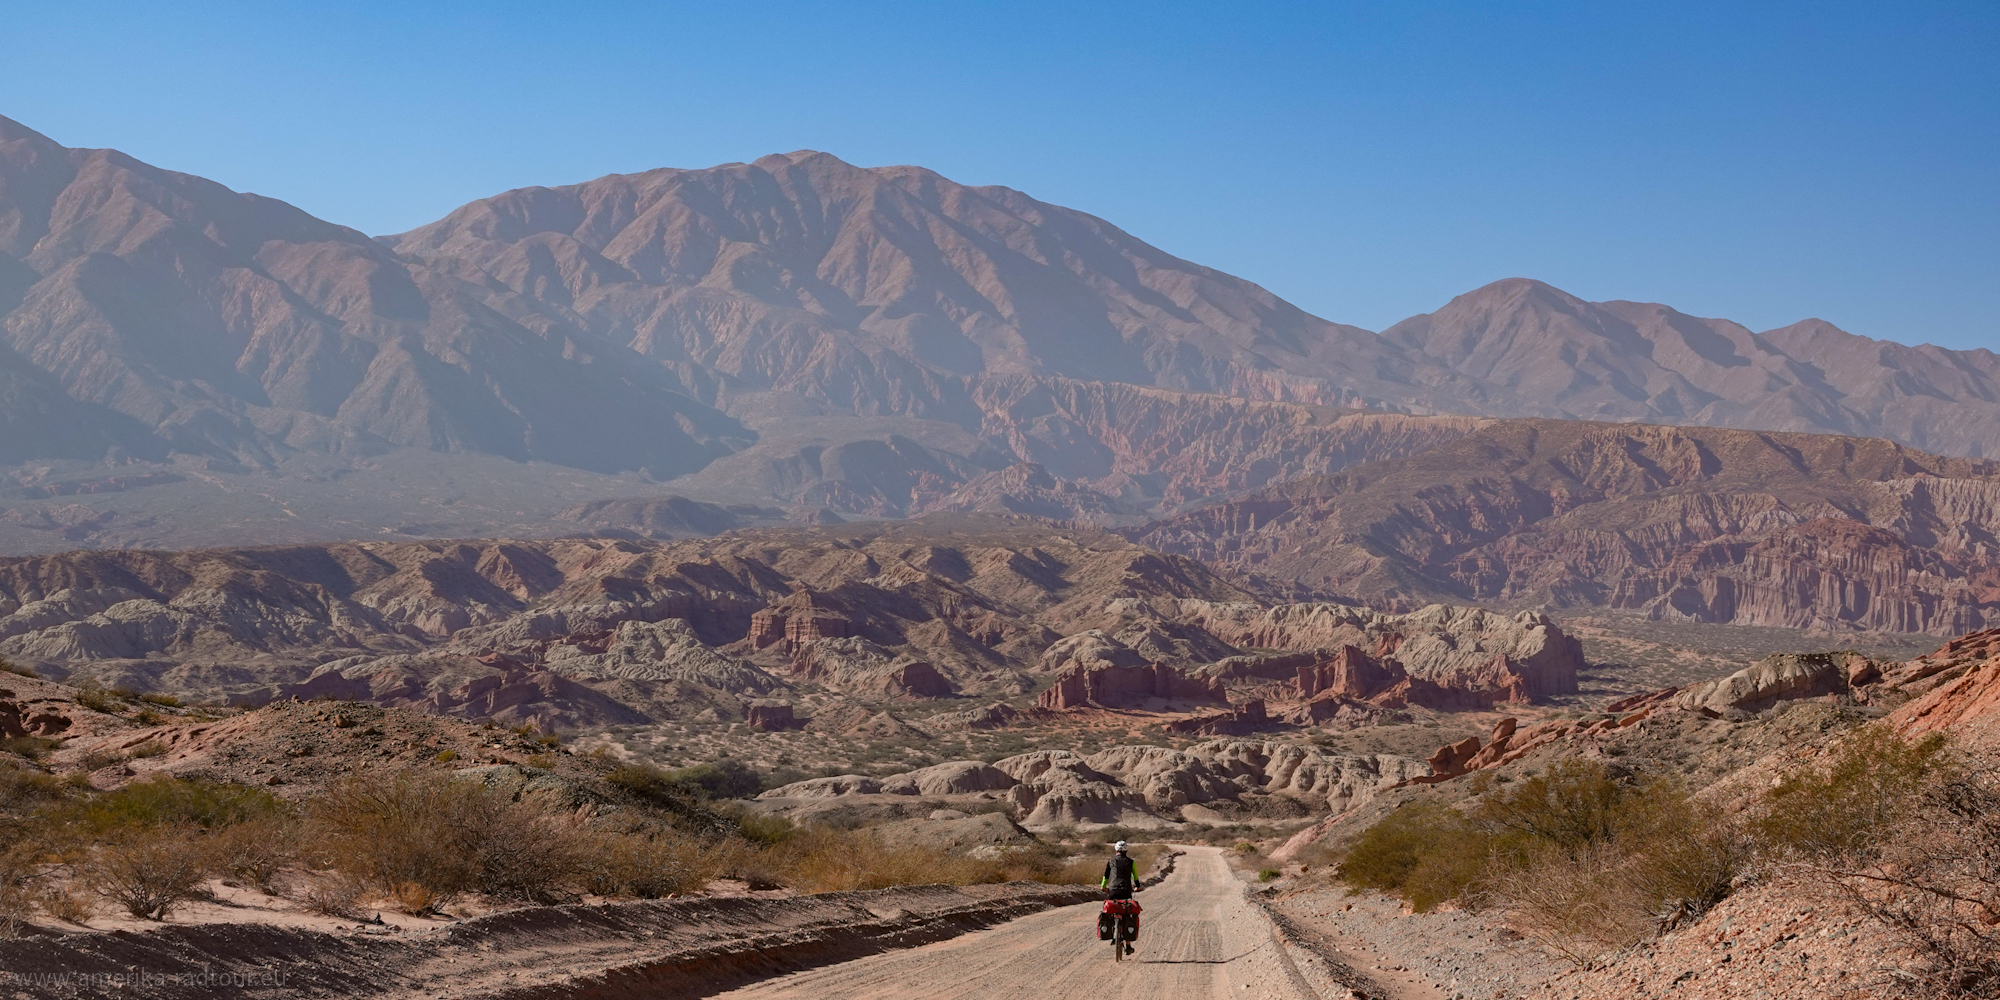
(1759, 161)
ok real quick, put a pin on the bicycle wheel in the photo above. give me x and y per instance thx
(1118, 941)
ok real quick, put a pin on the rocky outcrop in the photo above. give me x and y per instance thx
(1105, 686)
(1095, 669)
(1028, 488)
(1242, 720)
(1707, 525)
(1058, 787)
(1773, 679)
(1440, 656)
(497, 690)
(796, 621)
(772, 718)
(28, 719)
(1960, 690)
(992, 716)
(857, 666)
(957, 777)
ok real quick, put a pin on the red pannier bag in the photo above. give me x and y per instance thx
(1119, 909)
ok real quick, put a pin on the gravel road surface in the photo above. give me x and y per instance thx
(1199, 939)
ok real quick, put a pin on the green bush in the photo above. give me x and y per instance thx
(1871, 781)
(1573, 805)
(1574, 853)
(22, 788)
(1385, 855)
(759, 828)
(163, 800)
(724, 779)
(92, 695)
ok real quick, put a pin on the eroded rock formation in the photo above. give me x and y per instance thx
(1134, 785)
(1674, 523)
(1441, 655)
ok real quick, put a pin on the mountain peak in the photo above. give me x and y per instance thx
(1510, 289)
(13, 131)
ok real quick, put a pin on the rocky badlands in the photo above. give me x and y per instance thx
(790, 576)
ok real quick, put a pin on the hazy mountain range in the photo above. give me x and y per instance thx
(801, 331)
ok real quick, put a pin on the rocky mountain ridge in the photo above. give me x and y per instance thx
(1701, 524)
(799, 330)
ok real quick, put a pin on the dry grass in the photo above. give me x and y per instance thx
(332, 894)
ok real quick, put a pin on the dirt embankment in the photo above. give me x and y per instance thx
(658, 950)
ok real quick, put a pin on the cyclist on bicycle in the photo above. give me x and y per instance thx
(1119, 879)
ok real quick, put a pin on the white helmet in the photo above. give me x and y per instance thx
(1120, 848)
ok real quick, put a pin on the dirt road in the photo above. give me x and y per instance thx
(1198, 940)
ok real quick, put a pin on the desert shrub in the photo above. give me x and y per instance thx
(95, 760)
(760, 828)
(67, 903)
(413, 830)
(426, 838)
(31, 747)
(723, 779)
(1573, 805)
(18, 876)
(163, 800)
(447, 756)
(257, 849)
(23, 788)
(162, 700)
(1678, 852)
(1839, 809)
(1387, 854)
(10, 667)
(1910, 836)
(544, 761)
(1054, 865)
(1267, 874)
(332, 894)
(152, 871)
(655, 786)
(1936, 884)
(654, 866)
(819, 859)
(1588, 865)
(1582, 862)
(1576, 902)
(92, 695)
(150, 748)
(529, 852)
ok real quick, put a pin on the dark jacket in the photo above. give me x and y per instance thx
(1118, 877)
